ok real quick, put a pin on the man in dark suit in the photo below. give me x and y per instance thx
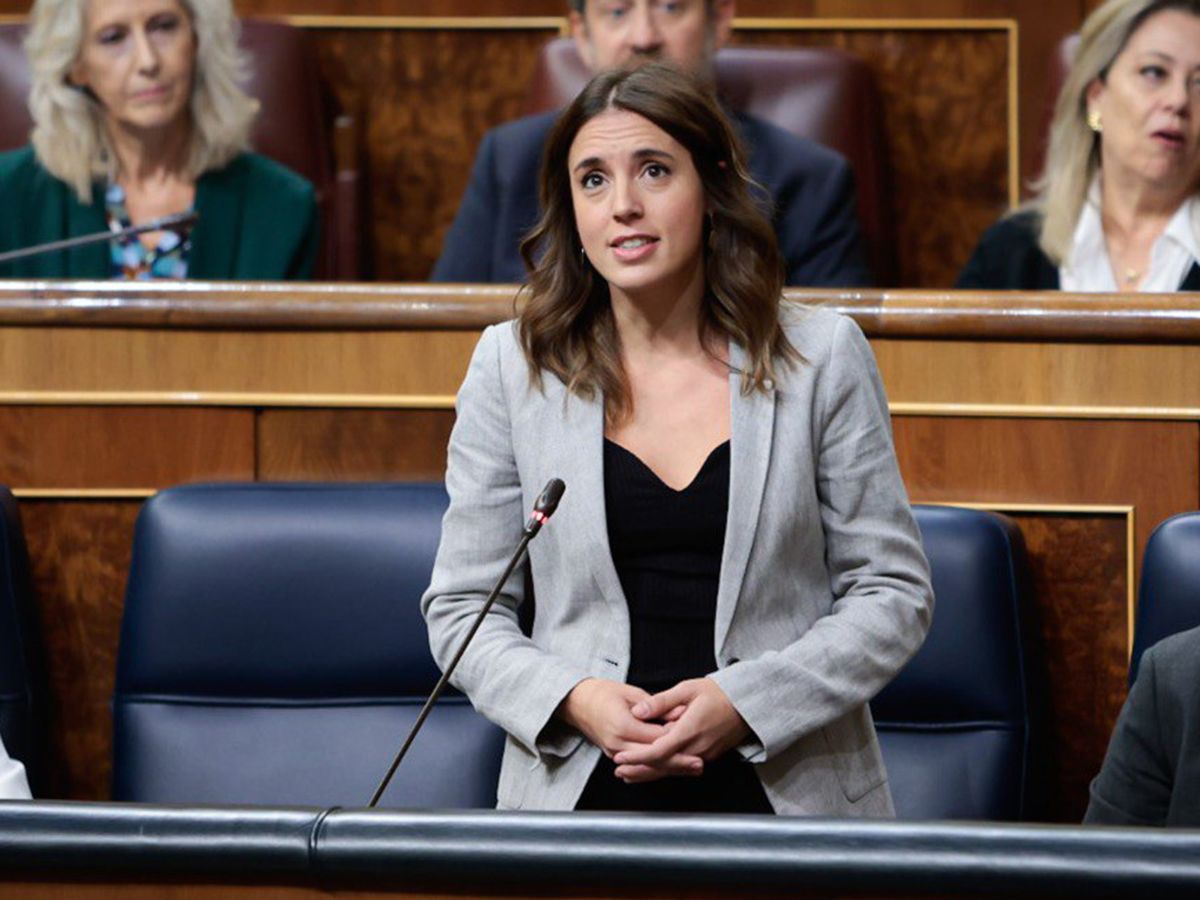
(1151, 773)
(811, 187)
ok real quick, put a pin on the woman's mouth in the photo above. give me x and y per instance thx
(633, 247)
(1169, 137)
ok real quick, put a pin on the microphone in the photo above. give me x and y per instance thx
(177, 222)
(545, 505)
(543, 509)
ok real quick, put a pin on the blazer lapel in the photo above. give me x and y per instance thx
(93, 260)
(1192, 281)
(752, 424)
(216, 236)
(582, 455)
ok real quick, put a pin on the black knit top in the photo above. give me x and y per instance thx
(666, 546)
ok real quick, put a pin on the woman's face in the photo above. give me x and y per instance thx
(137, 58)
(1150, 104)
(639, 204)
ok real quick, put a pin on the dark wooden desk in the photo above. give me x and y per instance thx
(1080, 417)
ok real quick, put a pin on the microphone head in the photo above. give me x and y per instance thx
(544, 506)
(547, 501)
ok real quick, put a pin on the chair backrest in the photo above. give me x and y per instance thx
(293, 126)
(820, 93)
(1169, 593)
(955, 725)
(272, 651)
(15, 122)
(20, 658)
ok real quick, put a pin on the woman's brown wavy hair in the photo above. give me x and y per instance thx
(566, 326)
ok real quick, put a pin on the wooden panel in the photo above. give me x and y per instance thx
(944, 94)
(1151, 466)
(119, 447)
(360, 445)
(1078, 567)
(425, 99)
(113, 359)
(1034, 376)
(79, 554)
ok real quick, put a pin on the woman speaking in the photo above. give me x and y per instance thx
(138, 115)
(734, 570)
(1118, 206)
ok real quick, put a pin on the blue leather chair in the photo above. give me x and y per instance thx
(1169, 593)
(272, 651)
(20, 657)
(956, 725)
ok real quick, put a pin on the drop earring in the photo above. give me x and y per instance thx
(1094, 122)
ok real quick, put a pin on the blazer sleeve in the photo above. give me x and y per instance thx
(507, 677)
(467, 248)
(878, 574)
(1135, 783)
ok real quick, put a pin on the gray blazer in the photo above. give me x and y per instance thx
(823, 595)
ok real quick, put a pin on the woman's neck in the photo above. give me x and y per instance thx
(661, 320)
(146, 158)
(1134, 210)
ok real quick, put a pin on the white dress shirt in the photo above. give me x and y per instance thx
(13, 784)
(1176, 250)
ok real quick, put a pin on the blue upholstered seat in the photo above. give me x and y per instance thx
(955, 725)
(272, 651)
(19, 658)
(1169, 593)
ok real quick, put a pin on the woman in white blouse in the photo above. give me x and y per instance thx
(1118, 206)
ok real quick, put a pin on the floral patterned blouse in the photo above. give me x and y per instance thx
(131, 259)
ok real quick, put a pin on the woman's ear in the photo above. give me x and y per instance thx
(76, 75)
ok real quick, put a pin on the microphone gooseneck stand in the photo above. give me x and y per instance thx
(543, 508)
(180, 223)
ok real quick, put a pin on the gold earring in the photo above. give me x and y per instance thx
(1093, 120)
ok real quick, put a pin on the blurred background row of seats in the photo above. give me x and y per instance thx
(297, 126)
(823, 93)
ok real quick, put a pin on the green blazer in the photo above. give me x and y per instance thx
(258, 221)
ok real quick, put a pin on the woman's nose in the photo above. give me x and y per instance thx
(627, 203)
(146, 53)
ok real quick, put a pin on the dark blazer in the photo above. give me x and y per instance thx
(1008, 258)
(258, 221)
(1151, 773)
(812, 188)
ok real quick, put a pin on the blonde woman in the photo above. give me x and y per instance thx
(138, 114)
(1118, 207)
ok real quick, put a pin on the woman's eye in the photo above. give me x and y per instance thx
(656, 170)
(1154, 73)
(164, 23)
(591, 180)
(111, 36)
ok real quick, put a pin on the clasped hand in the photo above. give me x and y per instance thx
(654, 736)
